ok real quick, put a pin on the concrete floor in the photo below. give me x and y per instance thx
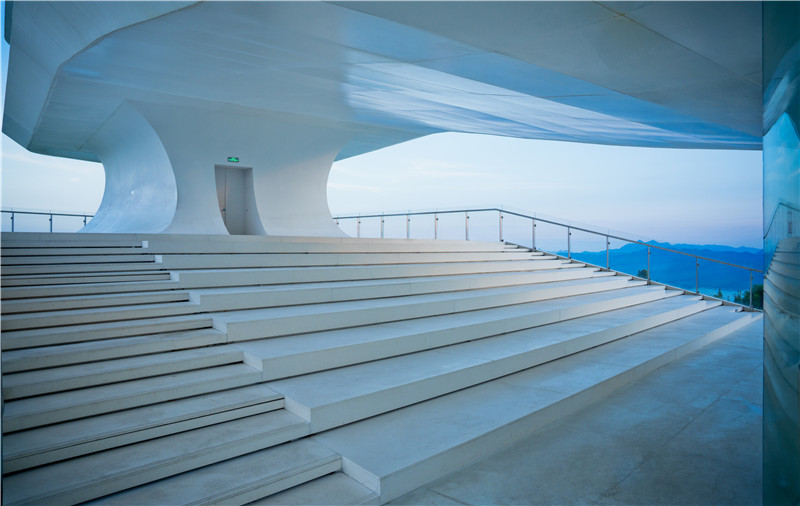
(689, 433)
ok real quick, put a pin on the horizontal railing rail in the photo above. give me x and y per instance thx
(782, 205)
(51, 214)
(534, 219)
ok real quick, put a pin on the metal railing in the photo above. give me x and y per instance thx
(569, 229)
(50, 214)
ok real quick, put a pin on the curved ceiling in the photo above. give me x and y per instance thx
(668, 74)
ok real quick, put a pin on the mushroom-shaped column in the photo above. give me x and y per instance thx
(281, 161)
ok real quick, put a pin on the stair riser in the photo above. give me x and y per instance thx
(18, 293)
(11, 465)
(257, 329)
(26, 339)
(44, 281)
(42, 305)
(66, 259)
(26, 421)
(212, 261)
(119, 348)
(334, 415)
(16, 390)
(13, 270)
(314, 361)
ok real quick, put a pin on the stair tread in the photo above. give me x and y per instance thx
(101, 289)
(296, 354)
(103, 473)
(131, 424)
(336, 488)
(64, 302)
(198, 278)
(239, 480)
(56, 407)
(71, 377)
(107, 349)
(503, 402)
(337, 396)
(13, 339)
(335, 307)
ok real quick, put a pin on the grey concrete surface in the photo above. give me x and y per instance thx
(689, 433)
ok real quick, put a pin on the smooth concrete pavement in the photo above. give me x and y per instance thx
(689, 433)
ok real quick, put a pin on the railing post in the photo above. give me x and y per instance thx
(648, 265)
(336, 220)
(435, 226)
(697, 276)
(408, 226)
(608, 264)
(501, 226)
(358, 227)
(751, 289)
(84, 220)
(569, 242)
(533, 234)
(51, 223)
(466, 225)
(381, 225)
(12, 221)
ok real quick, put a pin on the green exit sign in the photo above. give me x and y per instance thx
(234, 159)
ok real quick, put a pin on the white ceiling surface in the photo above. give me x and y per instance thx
(670, 74)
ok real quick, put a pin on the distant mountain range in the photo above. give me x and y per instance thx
(679, 270)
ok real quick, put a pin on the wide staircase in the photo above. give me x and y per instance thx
(156, 369)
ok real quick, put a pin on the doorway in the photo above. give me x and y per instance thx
(237, 200)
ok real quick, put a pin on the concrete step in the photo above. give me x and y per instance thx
(252, 324)
(60, 379)
(244, 260)
(67, 259)
(68, 317)
(222, 299)
(74, 290)
(280, 275)
(59, 240)
(241, 480)
(790, 270)
(25, 280)
(30, 359)
(32, 338)
(92, 476)
(58, 407)
(259, 297)
(282, 357)
(66, 440)
(336, 488)
(61, 303)
(93, 268)
(337, 397)
(426, 443)
(33, 251)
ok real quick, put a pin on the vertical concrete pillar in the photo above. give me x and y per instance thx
(781, 148)
(290, 157)
(140, 192)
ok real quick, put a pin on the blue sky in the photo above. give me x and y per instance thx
(678, 196)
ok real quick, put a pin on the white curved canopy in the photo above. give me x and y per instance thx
(290, 85)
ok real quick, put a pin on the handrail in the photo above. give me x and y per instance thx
(14, 212)
(569, 228)
(775, 215)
